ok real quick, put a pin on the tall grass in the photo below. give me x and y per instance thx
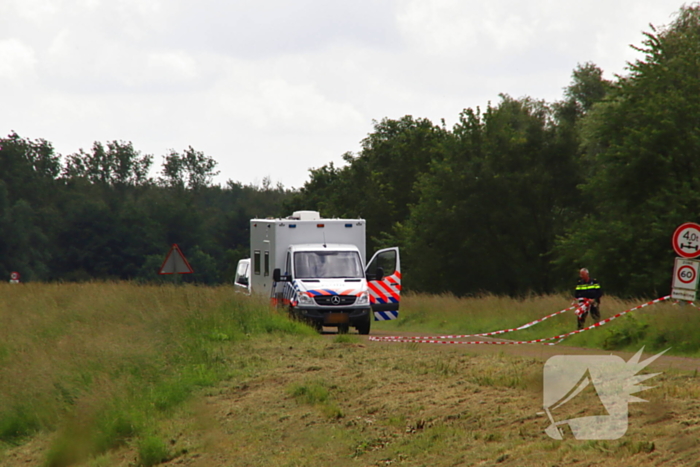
(99, 362)
(657, 327)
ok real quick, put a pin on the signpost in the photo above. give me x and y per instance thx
(14, 277)
(685, 279)
(175, 262)
(686, 243)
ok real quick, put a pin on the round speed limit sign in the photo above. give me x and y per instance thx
(686, 240)
(685, 274)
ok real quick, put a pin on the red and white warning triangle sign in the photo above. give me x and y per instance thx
(175, 262)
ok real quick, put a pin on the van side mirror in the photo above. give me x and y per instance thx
(278, 277)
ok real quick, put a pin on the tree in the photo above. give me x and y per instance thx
(587, 88)
(192, 169)
(641, 146)
(378, 183)
(117, 165)
(28, 189)
(25, 243)
(28, 168)
(490, 210)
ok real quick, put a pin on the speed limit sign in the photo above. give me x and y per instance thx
(14, 277)
(685, 279)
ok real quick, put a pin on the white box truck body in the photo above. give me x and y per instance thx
(317, 268)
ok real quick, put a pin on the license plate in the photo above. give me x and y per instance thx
(336, 318)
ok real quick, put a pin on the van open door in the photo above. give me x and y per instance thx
(242, 279)
(384, 281)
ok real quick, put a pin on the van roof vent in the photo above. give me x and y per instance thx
(305, 215)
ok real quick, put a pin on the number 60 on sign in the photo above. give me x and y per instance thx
(685, 279)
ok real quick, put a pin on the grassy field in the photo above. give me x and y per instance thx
(100, 365)
(657, 327)
(125, 375)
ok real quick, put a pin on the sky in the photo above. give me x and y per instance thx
(271, 88)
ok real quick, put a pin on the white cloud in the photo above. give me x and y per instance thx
(260, 29)
(469, 28)
(303, 107)
(35, 11)
(174, 67)
(271, 87)
(77, 61)
(17, 62)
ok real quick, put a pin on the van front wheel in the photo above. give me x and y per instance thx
(364, 327)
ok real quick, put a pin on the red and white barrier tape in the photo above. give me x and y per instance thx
(561, 337)
(584, 306)
(579, 308)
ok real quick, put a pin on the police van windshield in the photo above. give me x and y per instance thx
(327, 264)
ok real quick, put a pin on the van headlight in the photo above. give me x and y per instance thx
(305, 299)
(362, 299)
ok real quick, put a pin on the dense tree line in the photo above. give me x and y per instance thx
(512, 199)
(515, 198)
(98, 214)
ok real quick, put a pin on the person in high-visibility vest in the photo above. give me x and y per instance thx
(590, 289)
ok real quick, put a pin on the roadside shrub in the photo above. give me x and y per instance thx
(152, 451)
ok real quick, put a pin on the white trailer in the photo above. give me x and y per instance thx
(317, 268)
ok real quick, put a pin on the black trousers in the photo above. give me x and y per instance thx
(595, 315)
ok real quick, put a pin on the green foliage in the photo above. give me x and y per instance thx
(317, 393)
(641, 145)
(378, 184)
(118, 165)
(489, 211)
(192, 169)
(28, 168)
(28, 171)
(152, 451)
(105, 389)
(17, 422)
(100, 216)
(477, 208)
(24, 243)
(517, 198)
(588, 88)
(624, 335)
(312, 392)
